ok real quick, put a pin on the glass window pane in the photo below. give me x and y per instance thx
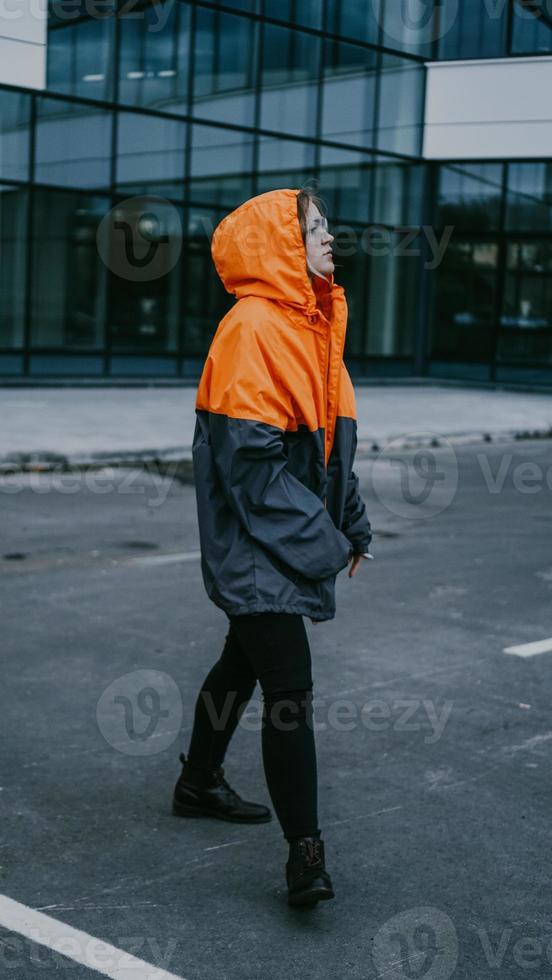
(409, 25)
(359, 19)
(145, 304)
(150, 155)
(154, 57)
(224, 67)
(345, 181)
(525, 347)
(473, 29)
(13, 250)
(529, 198)
(206, 298)
(393, 290)
(221, 166)
(15, 112)
(528, 291)
(532, 28)
(59, 56)
(251, 6)
(73, 144)
(398, 190)
(289, 80)
(348, 94)
(465, 301)
(69, 279)
(526, 334)
(351, 272)
(284, 163)
(401, 106)
(80, 57)
(468, 195)
(530, 257)
(303, 12)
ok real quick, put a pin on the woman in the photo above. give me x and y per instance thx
(279, 511)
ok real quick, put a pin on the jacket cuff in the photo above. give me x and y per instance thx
(362, 545)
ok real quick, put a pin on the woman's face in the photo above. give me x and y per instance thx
(318, 243)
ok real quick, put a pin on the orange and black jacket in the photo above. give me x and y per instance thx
(278, 503)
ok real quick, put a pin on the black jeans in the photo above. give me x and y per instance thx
(272, 648)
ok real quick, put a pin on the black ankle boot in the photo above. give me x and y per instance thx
(307, 879)
(207, 794)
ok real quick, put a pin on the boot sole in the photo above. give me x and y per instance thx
(311, 896)
(185, 810)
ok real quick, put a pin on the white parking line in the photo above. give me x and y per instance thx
(530, 649)
(77, 945)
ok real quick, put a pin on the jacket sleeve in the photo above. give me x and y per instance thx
(248, 409)
(355, 524)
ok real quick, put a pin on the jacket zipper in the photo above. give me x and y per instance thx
(328, 365)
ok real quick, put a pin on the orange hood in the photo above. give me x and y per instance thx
(259, 254)
(258, 250)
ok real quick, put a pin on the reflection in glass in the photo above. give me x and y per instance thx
(249, 5)
(393, 291)
(150, 155)
(73, 144)
(401, 105)
(307, 13)
(224, 67)
(13, 249)
(529, 197)
(524, 347)
(532, 28)
(469, 195)
(221, 166)
(534, 257)
(527, 314)
(359, 19)
(80, 57)
(477, 30)
(15, 111)
(206, 300)
(289, 95)
(528, 292)
(398, 190)
(351, 272)
(154, 57)
(145, 311)
(284, 163)
(69, 279)
(409, 25)
(465, 301)
(345, 183)
(348, 94)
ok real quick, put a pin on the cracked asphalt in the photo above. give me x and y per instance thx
(433, 744)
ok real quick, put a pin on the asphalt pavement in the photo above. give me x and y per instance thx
(433, 743)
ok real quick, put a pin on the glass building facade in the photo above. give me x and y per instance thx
(159, 118)
(494, 28)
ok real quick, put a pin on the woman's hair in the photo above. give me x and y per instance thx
(305, 197)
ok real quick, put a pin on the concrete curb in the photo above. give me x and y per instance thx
(177, 462)
(367, 447)
(171, 463)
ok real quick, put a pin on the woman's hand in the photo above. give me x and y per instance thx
(355, 562)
